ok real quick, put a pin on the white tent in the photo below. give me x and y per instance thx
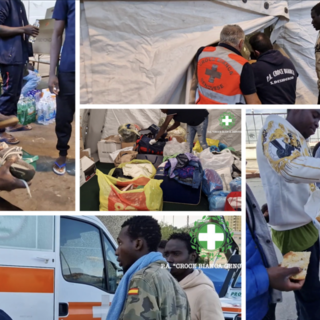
(37, 9)
(101, 123)
(142, 51)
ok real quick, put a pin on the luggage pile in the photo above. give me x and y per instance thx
(146, 175)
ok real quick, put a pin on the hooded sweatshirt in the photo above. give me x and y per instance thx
(276, 78)
(202, 296)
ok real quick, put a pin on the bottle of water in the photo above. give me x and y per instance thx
(32, 39)
(40, 113)
(47, 112)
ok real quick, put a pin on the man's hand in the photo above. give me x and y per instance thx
(31, 30)
(279, 278)
(7, 181)
(160, 133)
(54, 84)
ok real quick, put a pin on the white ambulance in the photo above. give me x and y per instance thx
(56, 267)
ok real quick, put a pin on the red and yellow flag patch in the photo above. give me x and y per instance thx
(133, 292)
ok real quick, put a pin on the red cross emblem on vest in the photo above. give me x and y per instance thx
(213, 73)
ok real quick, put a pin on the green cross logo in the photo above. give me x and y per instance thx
(227, 120)
(211, 236)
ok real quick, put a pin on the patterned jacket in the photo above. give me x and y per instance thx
(154, 294)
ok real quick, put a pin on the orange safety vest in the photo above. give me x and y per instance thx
(219, 72)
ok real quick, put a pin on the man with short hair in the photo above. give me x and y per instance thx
(275, 75)
(289, 173)
(161, 246)
(204, 300)
(196, 120)
(15, 51)
(62, 77)
(315, 15)
(147, 290)
(224, 76)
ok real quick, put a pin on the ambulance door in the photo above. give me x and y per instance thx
(27, 260)
(89, 272)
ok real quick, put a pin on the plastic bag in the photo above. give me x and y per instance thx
(129, 132)
(149, 196)
(210, 142)
(221, 163)
(211, 182)
(125, 156)
(217, 200)
(178, 132)
(33, 78)
(172, 147)
(233, 201)
(235, 185)
(137, 161)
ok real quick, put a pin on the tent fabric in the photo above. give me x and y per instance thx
(141, 51)
(298, 38)
(105, 122)
(37, 9)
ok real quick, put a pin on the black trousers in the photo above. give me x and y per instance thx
(65, 111)
(12, 76)
(319, 98)
(271, 315)
(308, 298)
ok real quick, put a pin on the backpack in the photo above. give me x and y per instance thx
(143, 146)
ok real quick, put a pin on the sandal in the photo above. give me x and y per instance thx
(62, 166)
(19, 169)
(19, 127)
(10, 139)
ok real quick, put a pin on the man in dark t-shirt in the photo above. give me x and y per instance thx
(196, 120)
(63, 85)
(275, 75)
(15, 50)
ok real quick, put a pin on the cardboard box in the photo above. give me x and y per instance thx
(85, 153)
(82, 177)
(107, 146)
(49, 13)
(115, 138)
(88, 167)
(44, 38)
(127, 144)
(179, 138)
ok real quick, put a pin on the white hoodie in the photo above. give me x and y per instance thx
(288, 173)
(202, 296)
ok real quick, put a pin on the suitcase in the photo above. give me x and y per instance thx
(155, 159)
(176, 192)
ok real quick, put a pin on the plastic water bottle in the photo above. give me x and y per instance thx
(47, 113)
(32, 39)
(40, 112)
(22, 112)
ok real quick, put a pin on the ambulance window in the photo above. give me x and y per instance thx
(27, 232)
(81, 253)
(114, 271)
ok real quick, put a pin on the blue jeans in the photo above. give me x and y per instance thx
(201, 129)
(308, 298)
